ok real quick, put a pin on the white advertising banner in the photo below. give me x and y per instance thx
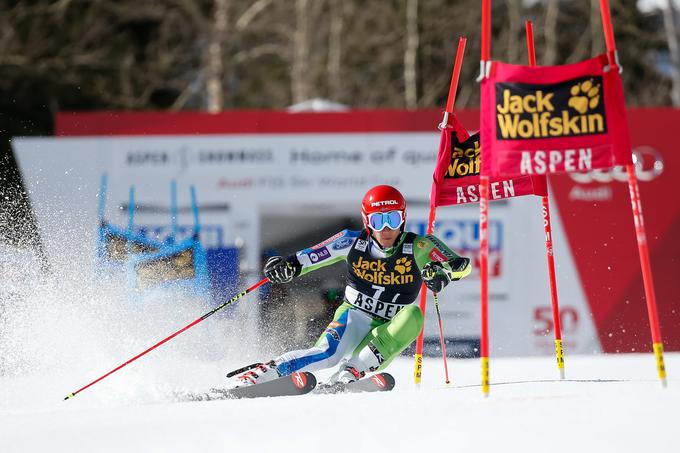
(239, 177)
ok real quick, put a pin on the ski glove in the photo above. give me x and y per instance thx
(435, 277)
(280, 270)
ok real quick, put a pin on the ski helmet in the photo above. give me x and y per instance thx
(382, 198)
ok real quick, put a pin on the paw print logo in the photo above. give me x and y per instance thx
(584, 96)
(403, 265)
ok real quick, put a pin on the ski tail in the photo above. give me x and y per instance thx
(241, 370)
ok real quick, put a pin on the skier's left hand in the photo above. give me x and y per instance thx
(434, 276)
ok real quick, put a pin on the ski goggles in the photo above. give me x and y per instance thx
(378, 221)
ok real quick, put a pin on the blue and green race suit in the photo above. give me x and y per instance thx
(378, 318)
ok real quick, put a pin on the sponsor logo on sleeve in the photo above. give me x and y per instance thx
(361, 245)
(342, 243)
(441, 246)
(436, 256)
(329, 240)
(407, 249)
(317, 255)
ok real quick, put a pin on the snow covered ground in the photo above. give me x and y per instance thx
(607, 404)
(58, 334)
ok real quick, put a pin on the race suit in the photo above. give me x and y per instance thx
(377, 319)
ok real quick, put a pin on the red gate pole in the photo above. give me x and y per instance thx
(418, 366)
(640, 231)
(484, 219)
(547, 227)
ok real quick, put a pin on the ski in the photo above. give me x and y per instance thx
(298, 383)
(241, 370)
(380, 382)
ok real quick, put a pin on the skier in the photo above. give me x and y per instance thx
(377, 319)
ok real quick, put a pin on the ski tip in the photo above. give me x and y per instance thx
(380, 382)
(70, 395)
(303, 379)
(385, 381)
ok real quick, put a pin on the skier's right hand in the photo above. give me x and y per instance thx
(280, 270)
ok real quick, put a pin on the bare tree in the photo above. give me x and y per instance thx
(669, 18)
(135, 54)
(550, 34)
(300, 65)
(335, 38)
(411, 55)
(216, 60)
(596, 37)
(514, 30)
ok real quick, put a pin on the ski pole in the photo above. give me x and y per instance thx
(441, 337)
(418, 365)
(207, 315)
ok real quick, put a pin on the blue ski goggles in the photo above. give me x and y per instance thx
(378, 221)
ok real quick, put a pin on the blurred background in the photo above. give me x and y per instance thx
(195, 66)
(218, 55)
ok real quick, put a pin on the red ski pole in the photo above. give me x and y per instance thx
(442, 340)
(207, 315)
(453, 87)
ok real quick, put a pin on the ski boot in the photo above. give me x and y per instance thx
(341, 378)
(259, 373)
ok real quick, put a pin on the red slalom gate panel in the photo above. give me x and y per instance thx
(594, 209)
(595, 212)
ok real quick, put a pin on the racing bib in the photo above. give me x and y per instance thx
(382, 286)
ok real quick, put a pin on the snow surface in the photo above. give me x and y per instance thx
(607, 404)
(59, 333)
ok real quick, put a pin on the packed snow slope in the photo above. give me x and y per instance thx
(606, 404)
(59, 333)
